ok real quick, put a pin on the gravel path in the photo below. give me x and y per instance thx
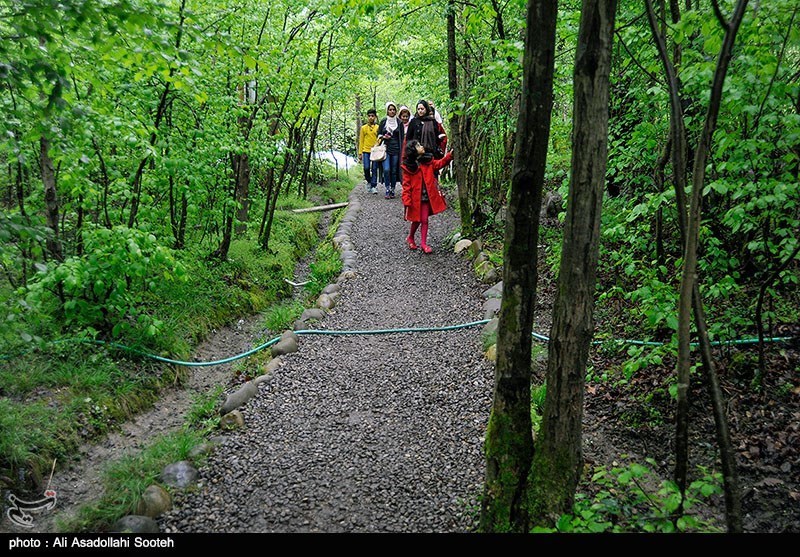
(364, 433)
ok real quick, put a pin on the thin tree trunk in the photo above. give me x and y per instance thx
(677, 125)
(50, 198)
(733, 499)
(558, 458)
(658, 178)
(759, 318)
(509, 442)
(689, 271)
(460, 154)
(358, 124)
(20, 190)
(241, 196)
(290, 162)
(106, 183)
(311, 148)
(221, 253)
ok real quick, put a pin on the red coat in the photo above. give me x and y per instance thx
(412, 188)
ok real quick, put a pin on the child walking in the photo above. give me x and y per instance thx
(421, 196)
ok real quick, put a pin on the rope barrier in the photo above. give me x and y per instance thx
(269, 343)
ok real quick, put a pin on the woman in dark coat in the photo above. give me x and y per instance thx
(421, 195)
(425, 129)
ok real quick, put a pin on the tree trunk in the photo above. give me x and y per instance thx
(509, 443)
(20, 190)
(733, 499)
(358, 123)
(759, 317)
(659, 180)
(311, 147)
(221, 252)
(241, 172)
(50, 198)
(689, 271)
(558, 458)
(460, 154)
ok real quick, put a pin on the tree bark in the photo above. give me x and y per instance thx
(659, 180)
(241, 172)
(733, 499)
(459, 160)
(509, 443)
(759, 317)
(558, 458)
(50, 198)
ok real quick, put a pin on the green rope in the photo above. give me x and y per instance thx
(361, 332)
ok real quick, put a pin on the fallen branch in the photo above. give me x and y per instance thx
(321, 208)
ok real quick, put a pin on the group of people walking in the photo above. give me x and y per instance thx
(415, 153)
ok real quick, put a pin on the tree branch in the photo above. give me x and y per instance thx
(635, 61)
(720, 16)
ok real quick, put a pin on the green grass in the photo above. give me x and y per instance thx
(126, 479)
(281, 316)
(204, 412)
(324, 269)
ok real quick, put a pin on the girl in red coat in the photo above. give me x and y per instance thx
(421, 196)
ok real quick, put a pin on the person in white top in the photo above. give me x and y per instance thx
(392, 133)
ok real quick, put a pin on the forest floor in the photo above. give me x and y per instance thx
(624, 422)
(637, 419)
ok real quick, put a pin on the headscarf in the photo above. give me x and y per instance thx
(391, 121)
(430, 134)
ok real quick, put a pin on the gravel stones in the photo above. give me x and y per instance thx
(364, 433)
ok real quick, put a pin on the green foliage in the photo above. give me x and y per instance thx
(203, 415)
(749, 211)
(538, 394)
(642, 356)
(102, 291)
(21, 238)
(633, 499)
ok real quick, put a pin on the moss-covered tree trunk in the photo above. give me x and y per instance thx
(558, 460)
(509, 443)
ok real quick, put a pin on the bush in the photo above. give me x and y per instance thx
(101, 291)
(631, 499)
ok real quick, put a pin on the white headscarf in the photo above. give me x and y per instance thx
(391, 121)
